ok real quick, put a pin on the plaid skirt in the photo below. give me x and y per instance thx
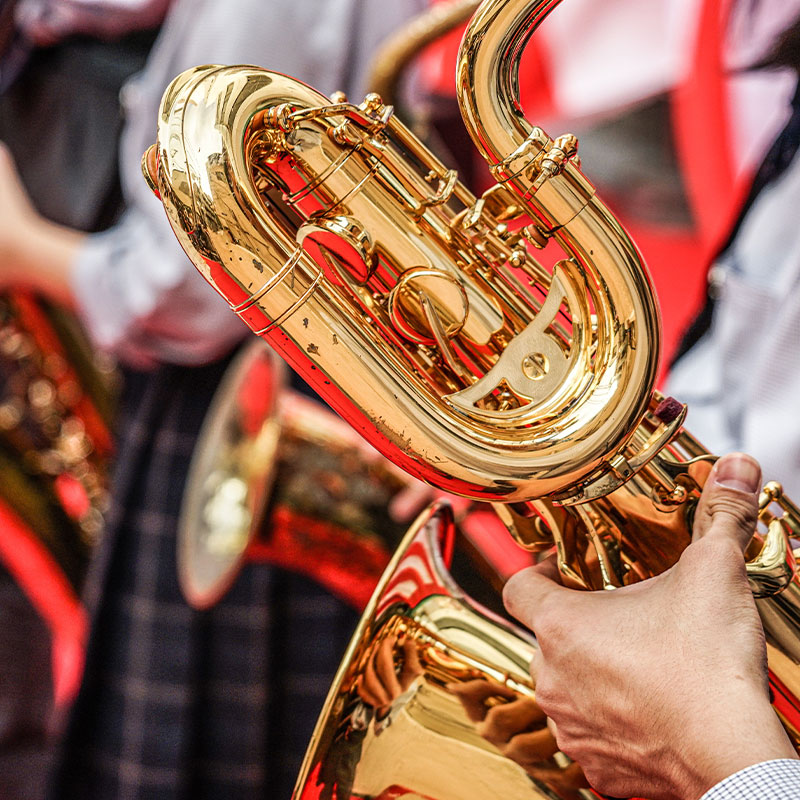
(178, 703)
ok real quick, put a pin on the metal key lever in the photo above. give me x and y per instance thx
(774, 568)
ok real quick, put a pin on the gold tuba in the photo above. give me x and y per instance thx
(501, 347)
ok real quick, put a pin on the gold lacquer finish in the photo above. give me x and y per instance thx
(55, 441)
(338, 237)
(501, 347)
(425, 695)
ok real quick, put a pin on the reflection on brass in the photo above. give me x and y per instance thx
(530, 385)
(419, 289)
(230, 477)
(276, 476)
(434, 698)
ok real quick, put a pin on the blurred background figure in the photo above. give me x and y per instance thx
(61, 68)
(739, 368)
(176, 702)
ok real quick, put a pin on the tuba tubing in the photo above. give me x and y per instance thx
(333, 333)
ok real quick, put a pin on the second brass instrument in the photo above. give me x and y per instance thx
(423, 316)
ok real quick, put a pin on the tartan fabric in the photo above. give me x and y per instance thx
(26, 698)
(770, 780)
(178, 703)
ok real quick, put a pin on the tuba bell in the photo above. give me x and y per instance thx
(501, 347)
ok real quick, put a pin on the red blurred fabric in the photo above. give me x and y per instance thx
(677, 258)
(49, 592)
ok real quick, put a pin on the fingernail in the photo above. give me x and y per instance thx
(739, 472)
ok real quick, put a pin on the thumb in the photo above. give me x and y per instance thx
(728, 506)
(527, 592)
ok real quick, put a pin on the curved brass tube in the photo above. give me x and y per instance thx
(574, 403)
(545, 176)
(399, 50)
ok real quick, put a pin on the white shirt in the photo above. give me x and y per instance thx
(138, 294)
(770, 780)
(742, 379)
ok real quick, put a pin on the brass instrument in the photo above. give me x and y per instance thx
(55, 441)
(399, 50)
(423, 316)
(275, 476)
(230, 477)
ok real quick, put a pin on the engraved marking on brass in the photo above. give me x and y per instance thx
(532, 366)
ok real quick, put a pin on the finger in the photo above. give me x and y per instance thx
(728, 506)
(385, 667)
(371, 689)
(366, 695)
(504, 722)
(531, 748)
(474, 694)
(411, 666)
(526, 594)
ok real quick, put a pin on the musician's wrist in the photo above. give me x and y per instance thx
(748, 733)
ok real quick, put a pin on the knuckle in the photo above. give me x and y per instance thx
(489, 732)
(549, 627)
(514, 593)
(570, 745)
(496, 721)
(603, 782)
(738, 508)
(547, 700)
(605, 776)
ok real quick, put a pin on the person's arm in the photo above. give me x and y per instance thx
(659, 689)
(132, 286)
(34, 253)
